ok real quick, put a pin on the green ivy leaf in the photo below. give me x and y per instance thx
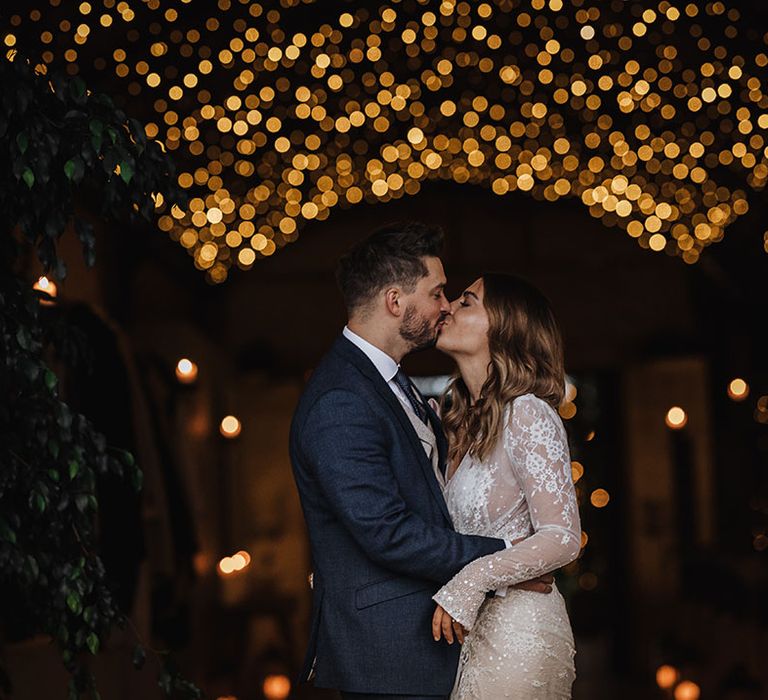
(50, 380)
(93, 643)
(81, 502)
(28, 177)
(74, 468)
(6, 532)
(33, 567)
(73, 603)
(126, 172)
(53, 475)
(69, 169)
(23, 338)
(40, 502)
(22, 142)
(96, 127)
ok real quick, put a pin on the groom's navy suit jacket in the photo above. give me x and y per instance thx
(381, 537)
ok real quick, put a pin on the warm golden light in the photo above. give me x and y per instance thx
(276, 687)
(226, 565)
(245, 556)
(738, 390)
(186, 371)
(666, 676)
(599, 498)
(230, 427)
(676, 418)
(687, 690)
(46, 285)
(637, 120)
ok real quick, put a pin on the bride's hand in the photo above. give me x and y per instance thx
(444, 625)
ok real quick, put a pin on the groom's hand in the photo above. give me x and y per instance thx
(542, 584)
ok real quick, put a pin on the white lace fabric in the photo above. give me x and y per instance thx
(523, 490)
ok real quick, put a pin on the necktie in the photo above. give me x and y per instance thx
(401, 379)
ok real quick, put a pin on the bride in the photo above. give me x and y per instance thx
(509, 476)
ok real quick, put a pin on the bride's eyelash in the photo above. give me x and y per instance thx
(463, 303)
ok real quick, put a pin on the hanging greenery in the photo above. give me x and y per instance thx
(60, 144)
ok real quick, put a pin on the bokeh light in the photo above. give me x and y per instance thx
(653, 120)
(186, 371)
(738, 390)
(230, 427)
(676, 418)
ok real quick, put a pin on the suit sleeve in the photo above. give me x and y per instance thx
(344, 444)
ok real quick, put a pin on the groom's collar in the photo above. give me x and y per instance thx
(384, 364)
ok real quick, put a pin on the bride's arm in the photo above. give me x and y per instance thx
(536, 443)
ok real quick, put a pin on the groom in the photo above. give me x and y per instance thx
(368, 457)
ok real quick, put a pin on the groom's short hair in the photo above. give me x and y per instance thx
(393, 254)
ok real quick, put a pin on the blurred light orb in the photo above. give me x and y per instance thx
(238, 562)
(738, 390)
(226, 565)
(276, 687)
(230, 427)
(245, 556)
(186, 371)
(46, 285)
(666, 676)
(676, 418)
(687, 690)
(600, 498)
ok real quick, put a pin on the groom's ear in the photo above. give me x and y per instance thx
(394, 301)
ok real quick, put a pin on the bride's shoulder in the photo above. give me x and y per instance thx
(525, 407)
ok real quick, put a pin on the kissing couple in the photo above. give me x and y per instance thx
(434, 528)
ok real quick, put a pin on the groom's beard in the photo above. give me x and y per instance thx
(417, 330)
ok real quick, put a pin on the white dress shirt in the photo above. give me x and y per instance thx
(386, 366)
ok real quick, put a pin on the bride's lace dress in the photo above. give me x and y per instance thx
(520, 645)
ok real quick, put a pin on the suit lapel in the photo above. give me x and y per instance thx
(361, 361)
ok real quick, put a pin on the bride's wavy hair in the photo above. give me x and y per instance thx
(526, 357)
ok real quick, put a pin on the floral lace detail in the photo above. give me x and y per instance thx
(521, 645)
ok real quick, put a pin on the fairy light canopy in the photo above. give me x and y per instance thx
(652, 115)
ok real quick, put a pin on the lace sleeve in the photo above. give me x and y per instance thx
(535, 441)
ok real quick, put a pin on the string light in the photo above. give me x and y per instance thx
(276, 687)
(676, 418)
(687, 690)
(599, 498)
(738, 390)
(237, 562)
(275, 127)
(230, 427)
(186, 371)
(666, 677)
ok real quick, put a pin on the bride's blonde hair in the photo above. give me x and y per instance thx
(526, 357)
